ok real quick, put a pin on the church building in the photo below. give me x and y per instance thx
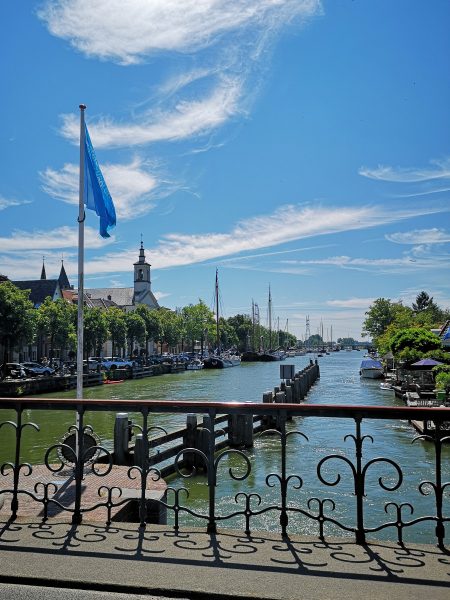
(129, 297)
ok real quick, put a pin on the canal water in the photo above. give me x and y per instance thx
(339, 384)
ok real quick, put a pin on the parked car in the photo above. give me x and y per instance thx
(114, 362)
(92, 363)
(33, 369)
(14, 370)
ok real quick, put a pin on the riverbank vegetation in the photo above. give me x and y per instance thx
(185, 329)
(408, 332)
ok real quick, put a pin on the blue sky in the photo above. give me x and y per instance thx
(292, 143)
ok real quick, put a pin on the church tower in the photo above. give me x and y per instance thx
(43, 273)
(63, 279)
(142, 282)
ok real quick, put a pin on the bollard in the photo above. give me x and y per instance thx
(139, 450)
(268, 421)
(189, 440)
(280, 398)
(121, 438)
(240, 430)
(248, 431)
(288, 393)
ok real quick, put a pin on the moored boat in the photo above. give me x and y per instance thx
(194, 365)
(217, 362)
(371, 369)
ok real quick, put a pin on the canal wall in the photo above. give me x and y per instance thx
(16, 388)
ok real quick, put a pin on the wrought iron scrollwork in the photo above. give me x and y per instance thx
(359, 475)
(283, 479)
(16, 466)
(437, 486)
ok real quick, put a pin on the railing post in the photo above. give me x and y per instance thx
(208, 422)
(359, 486)
(121, 438)
(440, 529)
(79, 464)
(19, 428)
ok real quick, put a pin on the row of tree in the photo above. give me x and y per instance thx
(183, 329)
(406, 330)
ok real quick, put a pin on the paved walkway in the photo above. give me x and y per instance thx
(192, 564)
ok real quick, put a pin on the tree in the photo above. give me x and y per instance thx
(228, 335)
(413, 343)
(382, 313)
(151, 321)
(17, 318)
(136, 331)
(314, 340)
(243, 327)
(95, 330)
(55, 320)
(423, 301)
(117, 327)
(197, 320)
(170, 325)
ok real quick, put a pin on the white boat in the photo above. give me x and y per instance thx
(194, 365)
(234, 358)
(371, 369)
(386, 387)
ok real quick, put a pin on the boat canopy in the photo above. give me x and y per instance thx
(369, 363)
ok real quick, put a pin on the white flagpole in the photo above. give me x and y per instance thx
(81, 216)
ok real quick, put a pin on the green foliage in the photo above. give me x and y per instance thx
(117, 327)
(55, 319)
(414, 338)
(314, 340)
(170, 327)
(443, 381)
(243, 328)
(136, 331)
(17, 316)
(383, 313)
(151, 320)
(197, 322)
(95, 330)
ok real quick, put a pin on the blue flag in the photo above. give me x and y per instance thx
(96, 194)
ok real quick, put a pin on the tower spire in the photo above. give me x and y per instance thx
(43, 274)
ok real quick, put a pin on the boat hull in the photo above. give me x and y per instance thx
(372, 373)
(215, 362)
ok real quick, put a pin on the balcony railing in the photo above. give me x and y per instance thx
(85, 455)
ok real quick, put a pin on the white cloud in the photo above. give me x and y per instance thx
(132, 187)
(351, 303)
(299, 222)
(188, 118)
(259, 232)
(8, 202)
(127, 32)
(45, 241)
(439, 170)
(420, 236)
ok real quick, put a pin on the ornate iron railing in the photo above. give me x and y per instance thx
(84, 454)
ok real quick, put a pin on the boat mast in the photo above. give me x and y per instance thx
(253, 326)
(217, 311)
(270, 320)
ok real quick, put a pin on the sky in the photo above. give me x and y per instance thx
(296, 144)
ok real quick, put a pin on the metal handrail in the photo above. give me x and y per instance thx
(277, 415)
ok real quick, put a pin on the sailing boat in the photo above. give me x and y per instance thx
(271, 355)
(251, 354)
(220, 360)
